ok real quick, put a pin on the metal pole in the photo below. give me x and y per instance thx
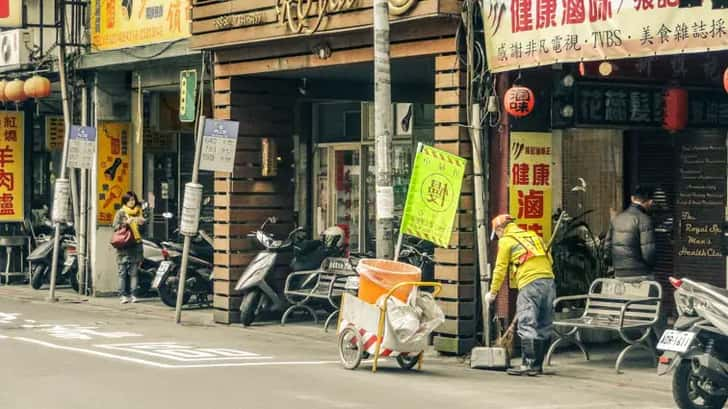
(480, 218)
(383, 131)
(83, 225)
(64, 158)
(195, 179)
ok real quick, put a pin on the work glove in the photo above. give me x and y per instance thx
(489, 298)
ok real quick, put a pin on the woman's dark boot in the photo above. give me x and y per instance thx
(528, 353)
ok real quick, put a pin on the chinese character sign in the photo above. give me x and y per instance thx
(12, 151)
(54, 132)
(219, 144)
(530, 181)
(527, 33)
(433, 195)
(113, 140)
(11, 13)
(127, 23)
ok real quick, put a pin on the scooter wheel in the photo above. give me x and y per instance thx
(408, 361)
(687, 392)
(37, 276)
(350, 348)
(248, 307)
(168, 293)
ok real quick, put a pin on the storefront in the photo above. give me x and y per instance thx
(306, 89)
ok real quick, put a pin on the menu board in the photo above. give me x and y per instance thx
(701, 202)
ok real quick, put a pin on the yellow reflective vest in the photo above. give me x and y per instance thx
(523, 254)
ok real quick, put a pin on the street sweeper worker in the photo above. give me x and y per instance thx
(524, 256)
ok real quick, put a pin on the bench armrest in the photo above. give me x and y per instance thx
(312, 273)
(640, 301)
(569, 298)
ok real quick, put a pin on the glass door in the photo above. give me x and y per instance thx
(346, 187)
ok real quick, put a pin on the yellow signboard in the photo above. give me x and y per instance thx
(530, 176)
(433, 195)
(55, 132)
(113, 168)
(128, 23)
(528, 33)
(12, 175)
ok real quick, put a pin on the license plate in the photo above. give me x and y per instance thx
(676, 341)
(161, 271)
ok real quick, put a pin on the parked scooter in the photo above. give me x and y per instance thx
(697, 346)
(199, 271)
(258, 294)
(40, 260)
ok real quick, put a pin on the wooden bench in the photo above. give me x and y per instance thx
(630, 309)
(327, 284)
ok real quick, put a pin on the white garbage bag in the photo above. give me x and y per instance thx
(413, 321)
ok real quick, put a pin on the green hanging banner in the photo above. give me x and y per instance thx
(187, 95)
(433, 195)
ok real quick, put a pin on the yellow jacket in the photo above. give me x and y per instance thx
(523, 253)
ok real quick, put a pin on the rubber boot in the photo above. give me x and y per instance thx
(528, 354)
(540, 346)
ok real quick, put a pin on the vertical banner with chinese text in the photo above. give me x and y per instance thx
(12, 175)
(113, 168)
(433, 195)
(530, 181)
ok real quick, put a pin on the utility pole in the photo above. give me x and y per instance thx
(83, 217)
(61, 189)
(383, 131)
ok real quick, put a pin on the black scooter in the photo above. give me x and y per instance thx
(40, 260)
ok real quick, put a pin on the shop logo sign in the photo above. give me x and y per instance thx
(302, 17)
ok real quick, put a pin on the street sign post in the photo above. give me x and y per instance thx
(219, 142)
(433, 196)
(82, 147)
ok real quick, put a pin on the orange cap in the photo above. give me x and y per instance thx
(501, 220)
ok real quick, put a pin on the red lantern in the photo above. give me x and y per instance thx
(519, 101)
(3, 84)
(676, 109)
(725, 80)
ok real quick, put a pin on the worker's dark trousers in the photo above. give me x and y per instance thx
(534, 309)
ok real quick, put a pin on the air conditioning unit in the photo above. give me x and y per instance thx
(15, 46)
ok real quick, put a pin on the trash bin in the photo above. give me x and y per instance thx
(377, 277)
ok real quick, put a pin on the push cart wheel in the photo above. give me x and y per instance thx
(408, 361)
(350, 348)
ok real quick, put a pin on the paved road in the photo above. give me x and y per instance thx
(68, 356)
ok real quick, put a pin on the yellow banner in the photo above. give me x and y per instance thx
(12, 151)
(113, 168)
(527, 33)
(128, 23)
(530, 181)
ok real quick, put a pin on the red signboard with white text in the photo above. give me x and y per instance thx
(11, 13)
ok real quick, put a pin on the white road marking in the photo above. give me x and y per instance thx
(8, 317)
(168, 366)
(184, 353)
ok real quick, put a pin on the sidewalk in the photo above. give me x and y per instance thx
(569, 364)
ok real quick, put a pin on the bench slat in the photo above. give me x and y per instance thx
(628, 314)
(618, 306)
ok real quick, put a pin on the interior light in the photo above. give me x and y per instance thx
(606, 69)
(567, 111)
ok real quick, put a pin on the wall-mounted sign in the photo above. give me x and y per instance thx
(187, 95)
(637, 105)
(82, 147)
(219, 142)
(113, 168)
(528, 33)
(54, 132)
(12, 175)
(11, 13)
(530, 187)
(128, 23)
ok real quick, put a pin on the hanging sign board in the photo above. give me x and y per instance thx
(526, 33)
(54, 130)
(113, 171)
(530, 187)
(433, 195)
(82, 147)
(11, 13)
(187, 95)
(219, 142)
(12, 176)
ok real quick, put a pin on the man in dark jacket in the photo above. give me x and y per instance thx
(631, 239)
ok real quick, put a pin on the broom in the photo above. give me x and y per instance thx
(506, 340)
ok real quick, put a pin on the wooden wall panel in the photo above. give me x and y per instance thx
(245, 199)
(455, 266)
